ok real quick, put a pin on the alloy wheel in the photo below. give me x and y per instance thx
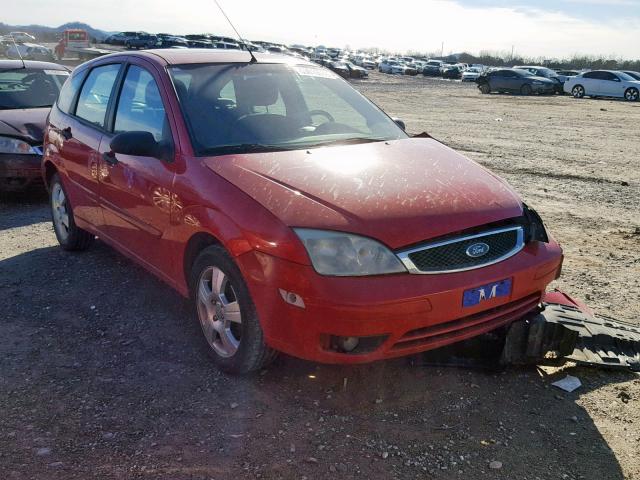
(631, 95)
(578, 91)
(60, 212)
(219, 312)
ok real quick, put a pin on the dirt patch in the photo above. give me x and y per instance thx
(103, 373)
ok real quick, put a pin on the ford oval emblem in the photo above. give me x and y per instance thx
(477, 250)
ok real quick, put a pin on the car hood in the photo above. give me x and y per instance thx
(400, 192)
(27, 124)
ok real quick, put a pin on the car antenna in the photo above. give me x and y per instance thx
(18, 51)
(246, 45)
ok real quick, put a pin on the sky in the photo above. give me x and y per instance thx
(545, 28)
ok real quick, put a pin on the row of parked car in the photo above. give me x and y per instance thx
(144, 40)
(527, 80)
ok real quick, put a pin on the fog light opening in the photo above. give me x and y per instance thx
(353, 345)
(348, 344)
(292, 298)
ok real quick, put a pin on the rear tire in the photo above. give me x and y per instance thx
(526, 90)
(578, 91)
(227, 314)
(631, 94)
(69, 235)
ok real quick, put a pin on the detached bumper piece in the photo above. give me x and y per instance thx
(570, 331)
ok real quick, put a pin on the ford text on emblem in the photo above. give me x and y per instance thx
(477, 250)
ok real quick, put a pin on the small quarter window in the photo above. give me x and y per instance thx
(69, 91)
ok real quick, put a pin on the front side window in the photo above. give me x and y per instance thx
(140, 106)
(233, 107)
(30, 88)
(95, 93)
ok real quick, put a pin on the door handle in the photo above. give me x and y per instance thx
(110, 158)
(66, 133)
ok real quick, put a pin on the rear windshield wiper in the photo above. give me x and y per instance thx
(242, 148)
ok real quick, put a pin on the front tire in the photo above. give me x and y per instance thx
(631, 95)
(226, 314)
(578, 91)
(69, 235)
(485, 89)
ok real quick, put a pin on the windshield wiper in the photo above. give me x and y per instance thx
(22, 107)
(346, 141)
(242, 148)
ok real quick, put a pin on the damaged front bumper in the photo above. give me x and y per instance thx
(566, 329)
(19, 172)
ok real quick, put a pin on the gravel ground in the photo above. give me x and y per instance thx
(103, 373)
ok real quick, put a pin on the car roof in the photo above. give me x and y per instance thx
(34, 64)
(172, 56)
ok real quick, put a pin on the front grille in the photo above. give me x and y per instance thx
(452, 255)
(441, 334)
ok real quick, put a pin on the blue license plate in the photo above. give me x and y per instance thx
(477, 295)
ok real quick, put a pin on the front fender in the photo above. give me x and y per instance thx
(236, 239)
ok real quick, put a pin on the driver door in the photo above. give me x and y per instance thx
(497, 80)
(136, 192)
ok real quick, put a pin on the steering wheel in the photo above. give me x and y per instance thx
(322, 113)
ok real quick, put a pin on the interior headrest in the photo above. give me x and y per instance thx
(259, 91)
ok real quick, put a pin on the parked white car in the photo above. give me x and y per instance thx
(21, 37)
(368, 63)
(603, 83)
(392, 66)
(29, 51)
(471, 74)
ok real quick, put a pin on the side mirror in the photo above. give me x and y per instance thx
(141, 144)
(400, 123)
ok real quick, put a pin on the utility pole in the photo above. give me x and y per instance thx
(442, 52)
(512, 50)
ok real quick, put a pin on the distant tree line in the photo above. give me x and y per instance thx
(505, 59)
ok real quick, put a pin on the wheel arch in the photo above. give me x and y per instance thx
(196, 244)
(48, 171)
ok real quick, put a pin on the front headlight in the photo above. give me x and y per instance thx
(13, 145)
(346, 255)
(534, 228)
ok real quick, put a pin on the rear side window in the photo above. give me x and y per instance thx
(95, 93)
(140, 106)
(69, 91)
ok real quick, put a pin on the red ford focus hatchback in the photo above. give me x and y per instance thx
(296, 214)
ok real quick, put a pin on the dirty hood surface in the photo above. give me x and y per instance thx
(27, 124)
(399, 192)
